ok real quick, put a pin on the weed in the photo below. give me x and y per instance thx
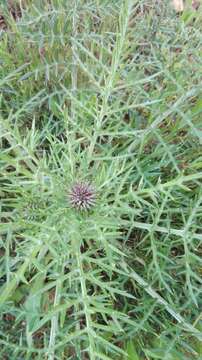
(105, 93)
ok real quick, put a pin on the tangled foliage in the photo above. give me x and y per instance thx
(105, 93)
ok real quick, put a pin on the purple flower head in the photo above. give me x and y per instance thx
(82, 196)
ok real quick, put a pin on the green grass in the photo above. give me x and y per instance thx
(107, 92)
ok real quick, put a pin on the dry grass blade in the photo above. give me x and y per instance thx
(178, 5)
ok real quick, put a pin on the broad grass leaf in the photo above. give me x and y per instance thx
(131, 351)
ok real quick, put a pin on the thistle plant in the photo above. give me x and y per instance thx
(115, 96)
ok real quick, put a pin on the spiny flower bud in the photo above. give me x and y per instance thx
(82, 196)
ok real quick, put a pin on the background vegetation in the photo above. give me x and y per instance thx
(107, 92)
